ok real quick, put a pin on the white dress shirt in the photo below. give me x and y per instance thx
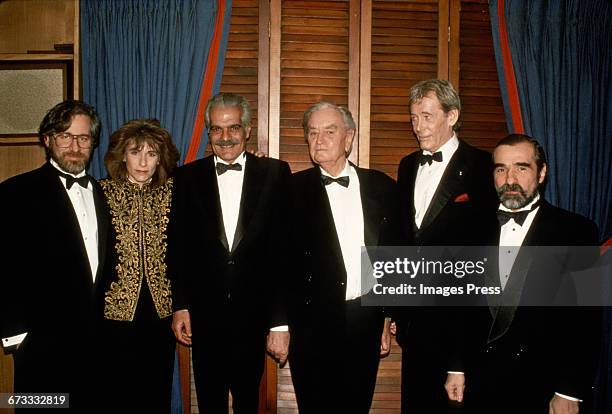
(428, 178)
(512, 236)
(82, 200)
(230, 195)
(347, 211)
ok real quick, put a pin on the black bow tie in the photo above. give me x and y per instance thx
(426, 158)
(327, 180)
(519, 217)
(222, 168)
(70, 180)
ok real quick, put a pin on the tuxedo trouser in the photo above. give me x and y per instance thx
(57, 365)
(424, 373)
(227, 361)
(506, 384)
(337, 374)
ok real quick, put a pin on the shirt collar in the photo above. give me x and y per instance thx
(448, 149)
(345, 171)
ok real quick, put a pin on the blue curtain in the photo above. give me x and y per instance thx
(562, 58)
(146, 59)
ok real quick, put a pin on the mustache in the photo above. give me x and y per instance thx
(510, 187)
(227, 142)
(74, 154)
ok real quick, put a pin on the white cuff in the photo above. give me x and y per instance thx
(281, 328)
(455, 372)
(567, 397)
(13, 340)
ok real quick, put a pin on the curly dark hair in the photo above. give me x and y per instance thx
(59, 119)
(139, 132)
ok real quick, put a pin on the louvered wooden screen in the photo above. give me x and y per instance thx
(241, 60)
(482, 108)
(404, 51)
(314, 67)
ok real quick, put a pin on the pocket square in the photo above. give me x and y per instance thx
(462, 198)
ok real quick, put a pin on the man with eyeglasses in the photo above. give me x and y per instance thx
(226, 250)
(54, 221)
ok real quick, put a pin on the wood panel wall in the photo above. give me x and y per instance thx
(35, 25)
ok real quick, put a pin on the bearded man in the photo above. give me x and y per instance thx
(55, 222)
(532, 353)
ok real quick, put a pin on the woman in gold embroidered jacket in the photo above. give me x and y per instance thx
(137, 291)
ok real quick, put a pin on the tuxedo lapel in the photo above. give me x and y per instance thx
(252, 188)
(411, 179)
(511, 296)
(102, 219)
(450, 183)
(212, 203)
(66, 216)
(322, 216)
(372, 217)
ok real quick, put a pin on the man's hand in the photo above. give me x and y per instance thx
(181, 326)
(385, 340)
(393, 328)
(277, 345)
(455, 385)
(257, 153)
(560, 405)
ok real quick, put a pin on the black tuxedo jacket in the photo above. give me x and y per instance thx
(247, 282)
(461, 212)
(462, 209)
(551, 348)
(319, 273)
(47, 285)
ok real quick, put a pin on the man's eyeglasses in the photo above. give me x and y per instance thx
(232, 130)
(64, 140)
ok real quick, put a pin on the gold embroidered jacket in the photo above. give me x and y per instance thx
(140, 218)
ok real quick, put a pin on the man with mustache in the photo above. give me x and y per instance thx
(226, 250)
(55, 222)
(532, 359)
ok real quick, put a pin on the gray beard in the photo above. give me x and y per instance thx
(514, 202)
(72, 167)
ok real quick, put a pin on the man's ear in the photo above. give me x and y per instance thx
(453, 117)
(542, 174)
(247, 130)
(46, 140)
(348, 144)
